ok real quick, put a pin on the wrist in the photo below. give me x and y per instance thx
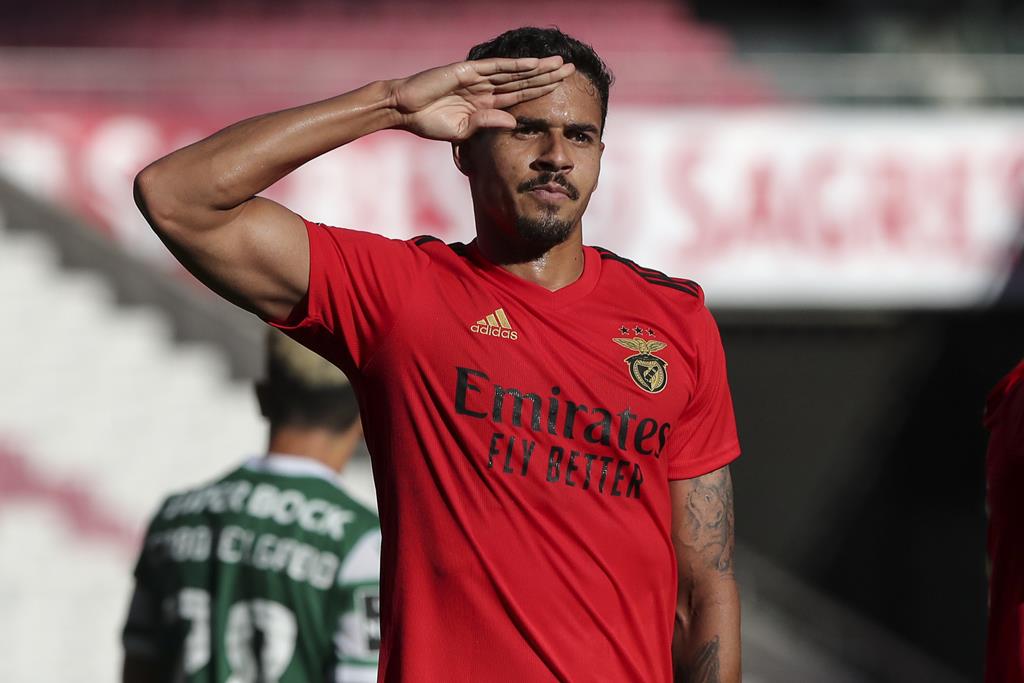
(366, 110)
(389, 92)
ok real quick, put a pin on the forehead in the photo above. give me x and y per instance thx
(576, 100)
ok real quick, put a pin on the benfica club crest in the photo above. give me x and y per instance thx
(649, 372)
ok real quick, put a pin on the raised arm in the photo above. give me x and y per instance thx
(706, 643)
(201, 200)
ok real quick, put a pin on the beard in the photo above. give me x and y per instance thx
(548, 230)
(544, 232)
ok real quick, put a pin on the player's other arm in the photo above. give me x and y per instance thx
(201, 200)
(706, 642)
(139, 670)
(145, 637)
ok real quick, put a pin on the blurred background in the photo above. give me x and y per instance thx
(844, 177)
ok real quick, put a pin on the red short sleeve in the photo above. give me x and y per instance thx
(704, 439)
(357, 281)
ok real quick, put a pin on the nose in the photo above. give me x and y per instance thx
(554, 156)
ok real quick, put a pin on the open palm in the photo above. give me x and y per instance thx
(452, 102)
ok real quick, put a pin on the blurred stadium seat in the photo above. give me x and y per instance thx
(173, 56)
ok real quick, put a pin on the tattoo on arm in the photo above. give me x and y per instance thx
(710, 521)
(703, 535)
(704, 667)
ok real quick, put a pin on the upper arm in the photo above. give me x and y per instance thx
(704, 435)
(145, 638)
(703, 528)
(359, 284)
(140, 670)
(255, 255)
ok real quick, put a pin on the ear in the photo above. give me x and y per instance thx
(263, 398)
(600, 154)
(460, 154)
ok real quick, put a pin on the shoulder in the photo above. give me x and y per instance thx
(438, 249)
(360, 548)
(350, 243)
(421, 244)
(674, 305)
(353, 245)
(359, 519)
(361, 561)
(361, 514)
(654, 283)
(197, 499)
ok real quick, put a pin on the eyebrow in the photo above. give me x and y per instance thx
(544, 125)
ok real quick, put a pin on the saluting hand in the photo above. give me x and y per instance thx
(452, 102)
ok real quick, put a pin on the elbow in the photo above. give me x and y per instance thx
(684, 619)
(710, 595)
(176, 203)
(689, 603)
(158, 194)
(153, 198)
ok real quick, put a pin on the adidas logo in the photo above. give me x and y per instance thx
(495, 325)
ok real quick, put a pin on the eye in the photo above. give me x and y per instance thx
(582, 136)
(526, 129)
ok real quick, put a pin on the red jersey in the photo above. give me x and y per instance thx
(522, 443)
(1004, 417)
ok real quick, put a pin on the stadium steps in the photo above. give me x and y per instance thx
(97, 400)
(102, 413)
(795, 634)
(103, 393)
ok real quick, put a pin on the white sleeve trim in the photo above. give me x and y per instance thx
(352, 673)
(363, 562)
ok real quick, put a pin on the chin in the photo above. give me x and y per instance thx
(544, 231)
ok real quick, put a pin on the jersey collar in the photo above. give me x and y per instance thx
(291, 466)
(531, 291)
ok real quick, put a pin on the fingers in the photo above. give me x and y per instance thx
(506, 100)
(489, 118)
(525, 83)
(490, 67)
(484, 74)
(546, 66)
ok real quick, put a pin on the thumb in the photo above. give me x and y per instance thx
(490, 118)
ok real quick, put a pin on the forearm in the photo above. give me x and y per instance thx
(706, 641)
(221, 172)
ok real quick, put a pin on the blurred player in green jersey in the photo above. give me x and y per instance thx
(271, 572)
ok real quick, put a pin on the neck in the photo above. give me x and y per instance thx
(550, 267)
(333, 449)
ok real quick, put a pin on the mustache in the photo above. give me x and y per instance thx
(547, 179)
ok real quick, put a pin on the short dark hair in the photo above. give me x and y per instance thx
(530, 41)
(301, 389)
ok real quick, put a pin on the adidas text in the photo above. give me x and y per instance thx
(495, 324)
(489, 331)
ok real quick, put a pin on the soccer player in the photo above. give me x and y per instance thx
(549, 423)
(271, 572)
(1004, 417)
